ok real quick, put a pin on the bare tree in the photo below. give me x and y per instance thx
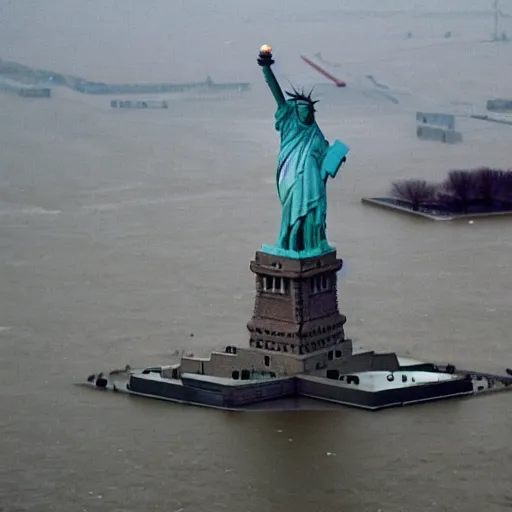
(415, 192)
(488, 183)
(504, 190)
(461, 185)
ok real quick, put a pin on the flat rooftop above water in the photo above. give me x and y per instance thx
(222, 381)
(228, 381)
(376, 381)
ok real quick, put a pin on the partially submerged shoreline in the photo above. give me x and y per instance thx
(481, 192)
(390, 203)
(23, 77)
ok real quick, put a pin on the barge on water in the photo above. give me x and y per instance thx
(207, 85)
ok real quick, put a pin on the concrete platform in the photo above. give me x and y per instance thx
(387, 203)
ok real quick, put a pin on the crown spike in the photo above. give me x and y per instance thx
(301, 96)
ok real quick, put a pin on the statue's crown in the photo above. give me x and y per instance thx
(301, 96)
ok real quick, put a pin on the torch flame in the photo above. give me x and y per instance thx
(266, 49)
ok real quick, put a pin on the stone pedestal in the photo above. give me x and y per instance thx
(296, 306)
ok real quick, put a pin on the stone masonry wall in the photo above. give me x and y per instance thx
(222, 364)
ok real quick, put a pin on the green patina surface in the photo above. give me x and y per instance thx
(305, 162)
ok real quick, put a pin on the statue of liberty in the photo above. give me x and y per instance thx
(305, 162)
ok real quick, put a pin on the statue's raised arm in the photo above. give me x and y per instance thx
(265, 61)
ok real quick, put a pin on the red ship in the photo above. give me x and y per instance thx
(338, 82)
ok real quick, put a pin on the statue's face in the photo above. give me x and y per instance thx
(305, 112)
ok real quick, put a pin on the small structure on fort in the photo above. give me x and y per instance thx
(35, 92)
(437, 127)
(477, 193)
(499, 105)
(138, 104)
(296, 343)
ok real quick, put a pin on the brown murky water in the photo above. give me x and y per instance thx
(123, 232)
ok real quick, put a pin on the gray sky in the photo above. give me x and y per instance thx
(134, 40)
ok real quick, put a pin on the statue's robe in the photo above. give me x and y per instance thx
(301, 181)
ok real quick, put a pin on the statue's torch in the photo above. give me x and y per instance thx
(265, 56)
(265, 61)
